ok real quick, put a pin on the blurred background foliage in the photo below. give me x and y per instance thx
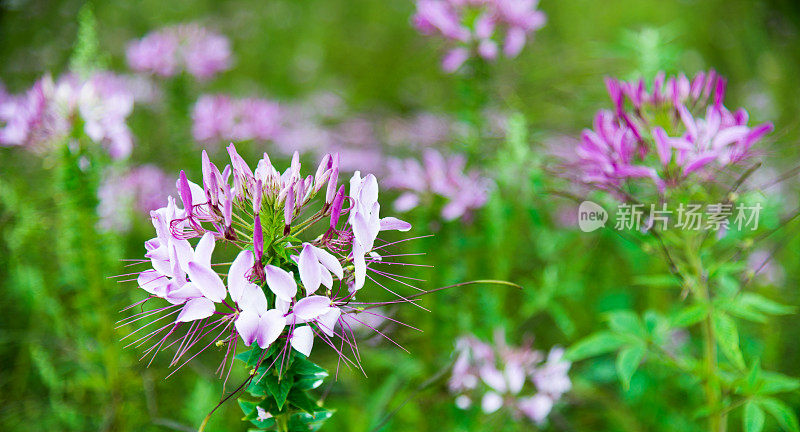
(62, 367)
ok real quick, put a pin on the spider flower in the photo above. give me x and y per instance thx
(676, 130)
(217, 118)
(437, 175)
(285, 286)
(47, 113)
(478, 28)
(518, 378)
(190, 47)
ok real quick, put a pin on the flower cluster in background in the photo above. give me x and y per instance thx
(523, 380)
(677, 128)
(190, 47)
(437, 175)
(47, 113)
(258, 212)
(133, 193)
(479, 27)
(217, 118)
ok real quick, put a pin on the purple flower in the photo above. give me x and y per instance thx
(477, 28)
(503, 376)
(260, 300)
(623, 144)
(437, 176)
(218, 118)
(45, 115)
(191, 47)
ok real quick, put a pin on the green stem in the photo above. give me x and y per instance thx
(711, 385)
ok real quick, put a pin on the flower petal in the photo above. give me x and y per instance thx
(204, 249)
(309, 269)
(392, 223)
(312, 307)
(195, 309)
(237, 275)
(207, 281)
(253, 299)
(270, 326)
(329, 261)
(281, 282)
(302, 340)
(152, 282)
(247, 326)
(327, 322)
(491, 402)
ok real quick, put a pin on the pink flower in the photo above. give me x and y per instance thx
(509, 22)
(706, 137)
(201, 52)
(217, 118)
(440, 176)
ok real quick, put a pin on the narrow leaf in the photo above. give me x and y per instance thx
(628, 361)
(753, 419)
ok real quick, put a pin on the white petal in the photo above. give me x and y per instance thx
(247, 326)
(253, 299)
(270, 326)
(195, 309)
(329, 261)
(312, 307)
(491, 402)
(309, 269)
(303, 340)
(207, 281)
(325, 277)
(281, 282)
(152, 282)
(360, 266)
(392, 223)
(237, 275)
(204, 249)
(328, 321)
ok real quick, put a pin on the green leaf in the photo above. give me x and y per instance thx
(728, 338)
(765, 305)
(304, 366)
(627, 323)
(279, 388)
(594, 345)
(657, 281)
(628, 361)
(301, 400)
(773, 382)
(250, 356)
(753, 419)
(304, 422)
(781, 413)
(689, 316)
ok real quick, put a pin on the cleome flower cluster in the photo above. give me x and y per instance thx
(477, 28)
(676, 129)
(47, 113)
(219, 117)
(279, 288)
(190, 47)
(441, 176)
(500, 376)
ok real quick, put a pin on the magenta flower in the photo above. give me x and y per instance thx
(478, 28)
(222, 118)
(305, 293)
(190, 47)
(437, 176)
(635, 142)
(503, 376)
(45, 115)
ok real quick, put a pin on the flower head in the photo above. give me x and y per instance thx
(677, 129)
(500, 375)
(141, 189)
(437, 175)
(280, 289)
(46, 114)
(219, 118)
(190, 47)
(478, 28)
